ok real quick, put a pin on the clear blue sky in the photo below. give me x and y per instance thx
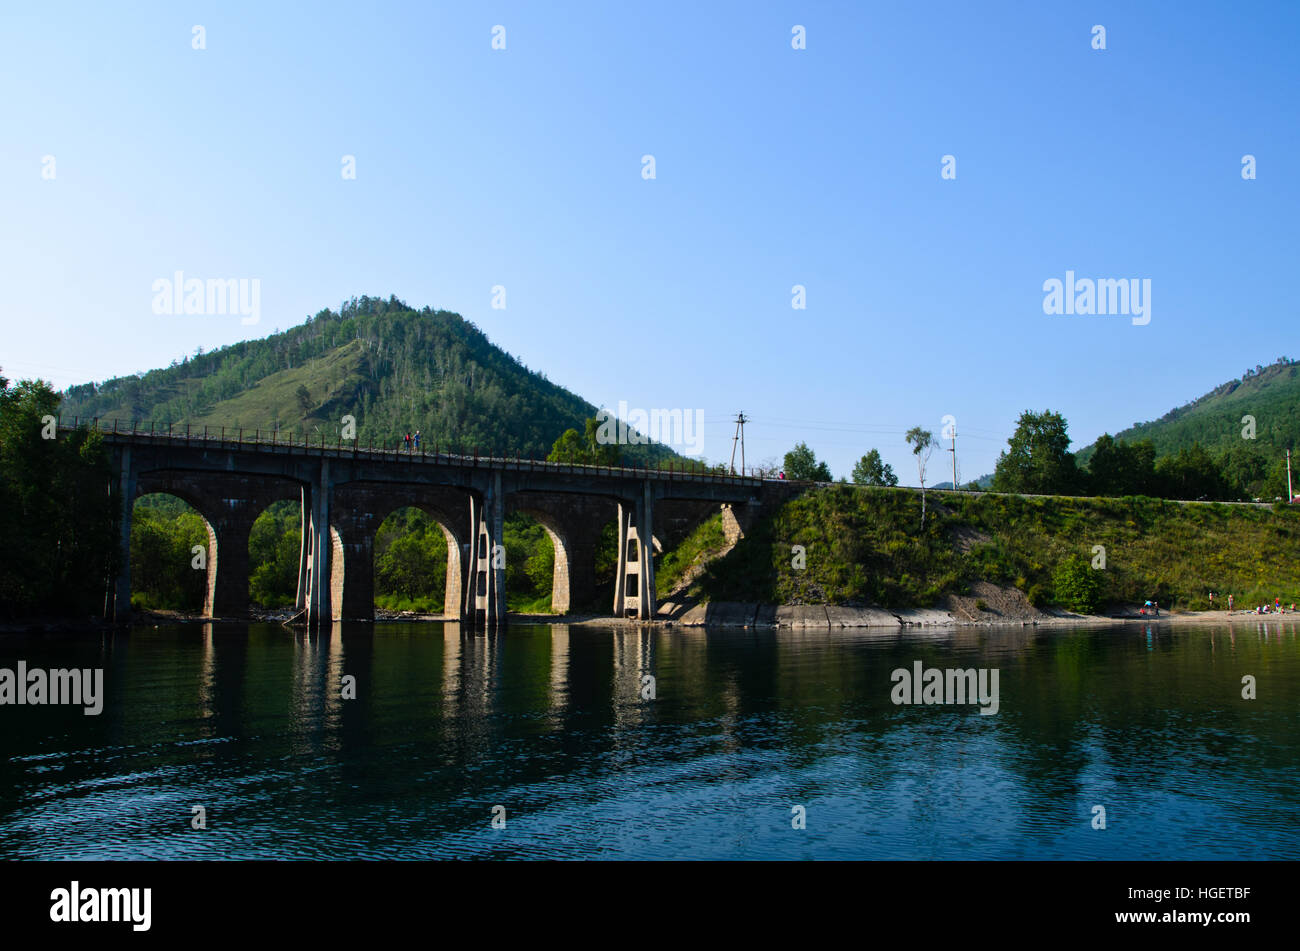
(775, 167)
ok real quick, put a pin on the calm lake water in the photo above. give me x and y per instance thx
(549, 722)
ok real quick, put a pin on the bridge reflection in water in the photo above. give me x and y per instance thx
(551, 721)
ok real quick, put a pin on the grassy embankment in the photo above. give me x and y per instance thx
(864, 546)
(705, 540)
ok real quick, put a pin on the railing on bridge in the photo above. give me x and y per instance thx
(241, 437)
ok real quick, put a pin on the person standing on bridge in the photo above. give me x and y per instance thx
(417, 439)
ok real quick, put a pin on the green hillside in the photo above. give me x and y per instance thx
(393, 368)
(1228, 445)
(1270, 394)
(864, 547)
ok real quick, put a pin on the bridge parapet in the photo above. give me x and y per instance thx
(278, 443)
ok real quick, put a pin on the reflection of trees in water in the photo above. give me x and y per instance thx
(1087, 700)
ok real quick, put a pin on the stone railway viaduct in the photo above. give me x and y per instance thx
(347, 491)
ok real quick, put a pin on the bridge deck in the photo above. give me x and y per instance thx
(272, 441)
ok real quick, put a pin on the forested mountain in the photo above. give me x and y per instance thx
(393, 368)
(1269, 394)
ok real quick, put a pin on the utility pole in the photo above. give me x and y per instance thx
(1289, 495)
(739, 436)
(953, 435)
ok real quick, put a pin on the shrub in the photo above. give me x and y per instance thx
(1077, 586)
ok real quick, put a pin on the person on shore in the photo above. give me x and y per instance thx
(1229, 604)
(1211, 600)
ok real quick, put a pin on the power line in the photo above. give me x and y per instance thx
(873, 431)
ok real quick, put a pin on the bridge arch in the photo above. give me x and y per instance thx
(359, 509)
(276, 547)
(561, 585)
(574, 524)
(452, 566)
(229, 503)
(159, 567)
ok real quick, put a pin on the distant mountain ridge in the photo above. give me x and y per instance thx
(393, 368)
(1270, 395)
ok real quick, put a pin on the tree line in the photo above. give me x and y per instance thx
(1038, 461)
(58, 511)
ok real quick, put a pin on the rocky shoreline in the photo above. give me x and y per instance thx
(832, 617)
